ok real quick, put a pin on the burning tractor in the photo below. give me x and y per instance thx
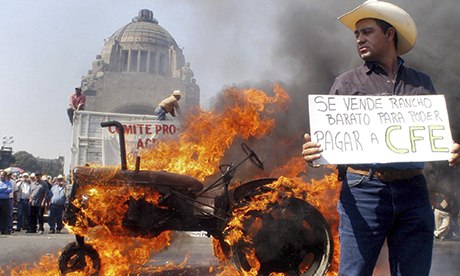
(287, 235)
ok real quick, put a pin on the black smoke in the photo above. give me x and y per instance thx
(311, 47)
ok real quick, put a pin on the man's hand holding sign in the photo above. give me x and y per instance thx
(378, 129)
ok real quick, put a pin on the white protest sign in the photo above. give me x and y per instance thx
(138, 135)
(380, 129)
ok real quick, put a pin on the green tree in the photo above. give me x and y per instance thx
(52, 167)
(26, 161)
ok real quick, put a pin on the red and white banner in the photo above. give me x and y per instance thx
(138, 136)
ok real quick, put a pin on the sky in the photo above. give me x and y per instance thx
(48, 45)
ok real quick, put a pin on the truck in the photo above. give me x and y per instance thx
(92, 144)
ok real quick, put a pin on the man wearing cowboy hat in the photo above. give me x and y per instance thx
(57, 203)
(37, 201)
(372, 206)
(169, 105)
(24, 189)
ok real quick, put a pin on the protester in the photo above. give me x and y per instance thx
(48, 181)
(169, 105)
(11, 200)
(382, 201)
(24, 188)
(37, 201)
(77, 101)
(57, 203)
(5, 190)
(442, 215)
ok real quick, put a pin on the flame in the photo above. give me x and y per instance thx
(120, 252)
(47, 265)
(208, 135)
(205, 139)
(322, 194)
(197, 152)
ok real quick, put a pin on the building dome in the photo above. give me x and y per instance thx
(142, 46)
(139, 66)
(144, 29)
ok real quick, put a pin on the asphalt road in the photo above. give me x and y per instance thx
(21, 248)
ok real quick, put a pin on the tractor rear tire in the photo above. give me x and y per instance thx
(290, 237)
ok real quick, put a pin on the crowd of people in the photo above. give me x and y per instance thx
(33, 195)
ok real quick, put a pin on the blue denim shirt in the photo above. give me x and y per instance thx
(5, 189)
(58, 196)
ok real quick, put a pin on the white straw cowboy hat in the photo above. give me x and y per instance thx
(390, 13)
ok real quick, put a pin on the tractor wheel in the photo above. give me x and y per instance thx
(79, 258)
(290, 237)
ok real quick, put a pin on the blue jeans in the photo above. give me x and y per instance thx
(10, 214)
(160, 113)
(55, 217)
(370, 211)
(23, 214)
(4, 207)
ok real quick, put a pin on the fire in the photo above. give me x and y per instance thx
(46, 266)
(322, 194)
(204, 141)
(208, 135)
(197, 152)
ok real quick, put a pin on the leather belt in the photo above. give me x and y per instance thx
(388, 174)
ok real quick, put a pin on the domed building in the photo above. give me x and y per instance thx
(140, 65)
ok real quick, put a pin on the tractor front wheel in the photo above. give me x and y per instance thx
(82, 258)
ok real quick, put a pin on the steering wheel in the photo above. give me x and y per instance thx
(252, 156)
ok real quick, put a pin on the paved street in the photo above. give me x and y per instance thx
(446, 258)
(20, 247)
(28, 248)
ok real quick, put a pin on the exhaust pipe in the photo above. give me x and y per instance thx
(121, 135)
